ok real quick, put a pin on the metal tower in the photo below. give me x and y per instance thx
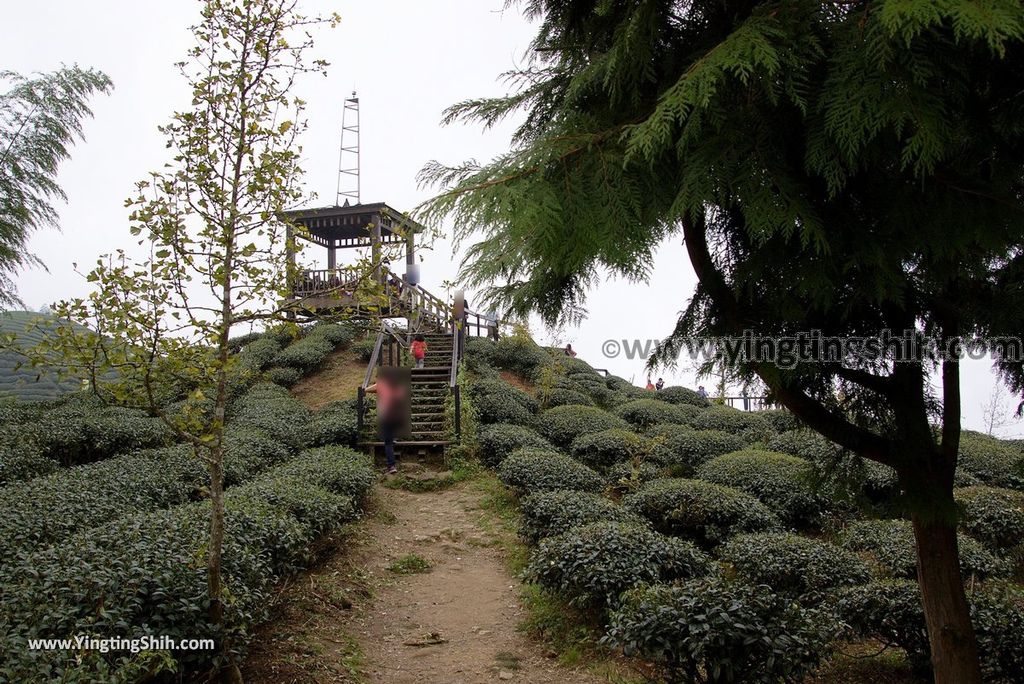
(348, 156)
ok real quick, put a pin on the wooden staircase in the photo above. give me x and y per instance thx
(429, 389)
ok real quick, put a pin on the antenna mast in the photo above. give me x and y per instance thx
(348, 156)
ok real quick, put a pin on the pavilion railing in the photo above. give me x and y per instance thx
(749, 403)
(328, 281)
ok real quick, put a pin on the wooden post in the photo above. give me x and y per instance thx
(332, 256)
(375, 252)
(290, 272)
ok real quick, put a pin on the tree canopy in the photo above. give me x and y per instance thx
(852, 168)
(40, 117)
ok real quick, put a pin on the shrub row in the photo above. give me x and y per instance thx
(795, 566)
(891, 544)
(594, 563)
(606, 448)
(704, 512)
(272, 410)
(91, 584)
(550, 513)
(562, 424)
(335, 423)
(688, 448)
(991, 461)
(535, 470)
(890, 611)
(644, 413)
(781, 482)
(48, 509)
(712, 630)
(992, 515)
(499, 440)
(496, 401)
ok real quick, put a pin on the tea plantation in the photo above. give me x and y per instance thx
(723, 546)
(104, 518)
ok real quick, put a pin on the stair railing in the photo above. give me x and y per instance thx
(453, 378)
(375, 358)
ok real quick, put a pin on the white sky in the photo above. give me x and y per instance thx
(408, 60)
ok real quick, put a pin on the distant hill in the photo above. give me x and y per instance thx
(26, 383)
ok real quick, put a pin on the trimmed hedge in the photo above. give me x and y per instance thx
(843, 474)
(83, 429)
(49, 509)
(890, 611)
(992, 515)
(711, 630)
(499, 440)
(731, 420)
(286, 376)
(91, 583)
(682, 396)
(992, 461)
(702, 511)
(566, 397)
(533, 470)
(690, 448)
(20, 461)
(781, 482)
(644, 413)
(562, 424)
(271, 409)
(781, 419)
(891, 543)
(550, 513)
(259, 353)
(630, 476)
(593, 564)
(364, 349)
(796, 566)
(496, 401)
(335, 423)
(609, 447)
(305, 354)
(521, 355)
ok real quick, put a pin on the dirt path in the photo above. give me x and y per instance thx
(356, 619)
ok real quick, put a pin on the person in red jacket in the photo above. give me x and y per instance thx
(419, 350)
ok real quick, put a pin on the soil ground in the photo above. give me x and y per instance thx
(371, 612)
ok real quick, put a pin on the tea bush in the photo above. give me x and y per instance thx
(644, 413)
(781, 419)
(258, 354)
(566, 397)
(496, 401)
(550, 513)
(781, 482)
(562, 424)
(992, 461)
(681, 395)
(521, 355)
(731, 420)
(890, 611)
(91, 583)
(689, 448)
(306, 354)
(532, 470)
(499, 440)
(286, 376)
(21, 461)
(593, 564)
(992, 515)
(609, 447)
(335, 334)
(843, 474)
(891, 543)
(715, 631)
(83, 429)
(702, 511)
(335, 423)
(364, 349)
(793, 565)
(48, 509)
(273, 410)
(630, 476)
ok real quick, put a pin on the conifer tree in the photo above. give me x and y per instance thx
(850, 168)
(40, 117)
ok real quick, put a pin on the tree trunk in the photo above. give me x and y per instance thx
(947, 616)
(213, 559)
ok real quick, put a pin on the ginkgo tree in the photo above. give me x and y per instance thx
(854, 168)
(213, 243)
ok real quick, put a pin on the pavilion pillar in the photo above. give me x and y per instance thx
(375, 252)
(290, 273)
(332, 256)
(410, 248)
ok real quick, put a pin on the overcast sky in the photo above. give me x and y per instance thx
(408, 60)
